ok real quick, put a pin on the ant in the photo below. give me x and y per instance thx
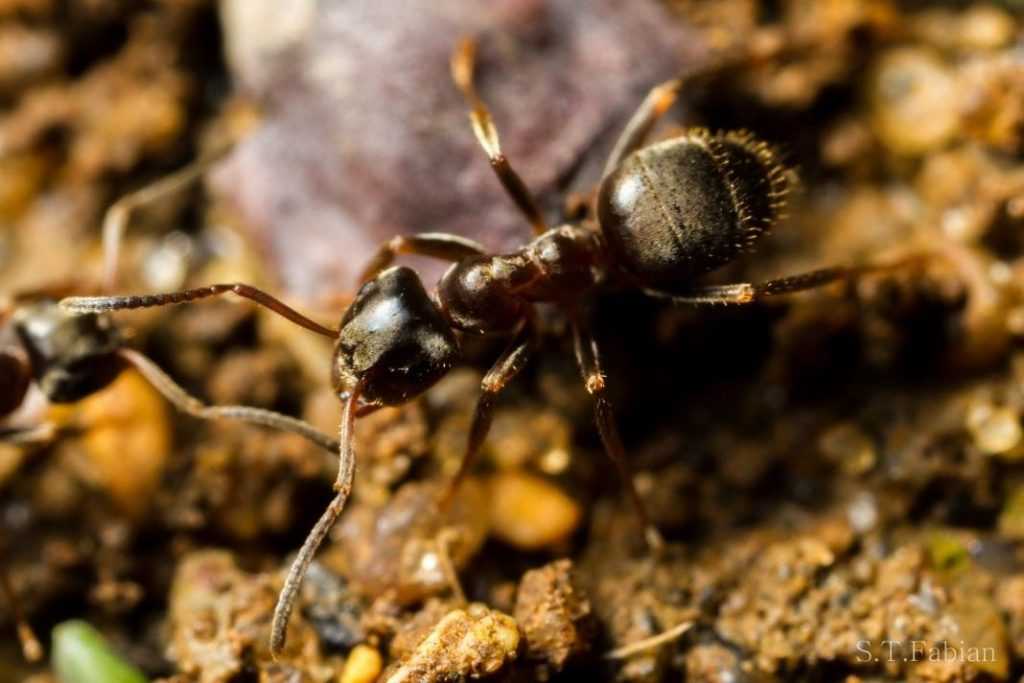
(65, 357)
(667, 213)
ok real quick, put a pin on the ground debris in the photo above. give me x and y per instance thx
(396, 550)
(466, 643)
(220, 624)
(554, 615)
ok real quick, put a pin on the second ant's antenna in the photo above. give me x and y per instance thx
(116, 218)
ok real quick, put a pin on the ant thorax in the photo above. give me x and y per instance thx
(492, 294)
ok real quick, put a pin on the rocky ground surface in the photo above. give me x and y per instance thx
(840, 475)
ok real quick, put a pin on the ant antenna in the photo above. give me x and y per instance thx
(342, 487)
(191, 405)
(117, 216)
(103, 304)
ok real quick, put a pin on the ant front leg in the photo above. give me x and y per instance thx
(462, 64)
(748, 292)
(439, 245)
(588, 358)
(508, 365)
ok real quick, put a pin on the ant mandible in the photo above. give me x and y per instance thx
(668, 213)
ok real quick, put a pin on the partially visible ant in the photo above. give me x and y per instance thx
(66, 357)
(667, 213)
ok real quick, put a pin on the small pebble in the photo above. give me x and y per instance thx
(529, 512)
(913, 100)
(996, 430)
(468, 643)
(363, 665)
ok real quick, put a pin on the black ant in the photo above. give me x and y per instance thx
(66, 357)
(668, 213)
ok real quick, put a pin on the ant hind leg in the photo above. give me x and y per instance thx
(658, 101)
(748, 292)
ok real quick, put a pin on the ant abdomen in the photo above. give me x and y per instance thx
(677, 209)
(393, 343)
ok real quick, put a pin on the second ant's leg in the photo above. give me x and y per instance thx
(439, 245)
(747, 292)
(462, 65)
(501, 373)
(31, 648)
(116, 217)
(191, 405)
(590, 367)
(659, 100)
(105, 304)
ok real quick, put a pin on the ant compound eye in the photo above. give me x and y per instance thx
(393, 339)
(679, 208)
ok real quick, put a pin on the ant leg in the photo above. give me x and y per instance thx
(462, 63)
(588, 359)
(659, 100)
(116, 217)
(439, 245)
(342, 487)
(191, 405)
(747, 292)
(104, 304)
(501, 373)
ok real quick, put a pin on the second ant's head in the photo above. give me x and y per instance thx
(393, 341)
(677, 209)
(71, 356)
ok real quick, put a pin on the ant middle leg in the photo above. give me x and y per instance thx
(588, 359)
(439, 245)
(508, 365)
(748, 292)
(463, 62)
(104, 304)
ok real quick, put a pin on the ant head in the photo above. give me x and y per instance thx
(393, 342)
(71, 356)
(677, 209)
